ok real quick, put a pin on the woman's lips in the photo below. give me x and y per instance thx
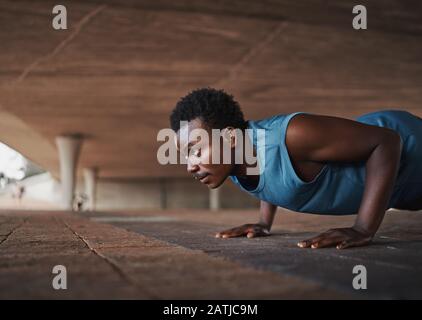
(204, 179)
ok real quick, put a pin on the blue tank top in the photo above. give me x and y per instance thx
(338, 188)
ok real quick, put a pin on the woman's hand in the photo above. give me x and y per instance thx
(248, 230)
(341, 238)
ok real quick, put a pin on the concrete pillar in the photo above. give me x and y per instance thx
(69, 147)
(215, 199)
(90, 179)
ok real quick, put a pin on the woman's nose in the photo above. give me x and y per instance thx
(192, 168)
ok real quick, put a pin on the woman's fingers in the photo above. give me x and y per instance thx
(258, 232)
(231, 233)
(309, 242)
(325, 239)
(248, 230)
(329, 241)
(338, 238)
(344, 245)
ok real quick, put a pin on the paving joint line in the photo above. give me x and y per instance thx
(7, 236)
(109, 261)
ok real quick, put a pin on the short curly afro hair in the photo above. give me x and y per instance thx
(215, 108)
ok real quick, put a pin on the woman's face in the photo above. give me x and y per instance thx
(197, 145)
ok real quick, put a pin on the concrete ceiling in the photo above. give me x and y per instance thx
(119, 69)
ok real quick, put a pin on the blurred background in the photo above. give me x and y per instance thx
(88, 102)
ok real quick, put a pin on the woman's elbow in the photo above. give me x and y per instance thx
(393, 140)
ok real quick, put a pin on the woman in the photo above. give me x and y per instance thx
(313, 163)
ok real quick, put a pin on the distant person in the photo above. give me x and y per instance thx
(313, 164)
(3, 180)
(79, 201)
(18, 192)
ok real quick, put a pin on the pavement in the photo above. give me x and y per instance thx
(173, 254)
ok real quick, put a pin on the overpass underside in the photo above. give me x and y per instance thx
(86, 103)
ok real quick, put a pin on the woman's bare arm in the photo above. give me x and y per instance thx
(267, 211)
(331, 139)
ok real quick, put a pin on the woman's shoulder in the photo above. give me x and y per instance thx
(275, 121)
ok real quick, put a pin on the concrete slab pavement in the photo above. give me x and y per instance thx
(393, 261)
(109, 262)
(174, 255)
